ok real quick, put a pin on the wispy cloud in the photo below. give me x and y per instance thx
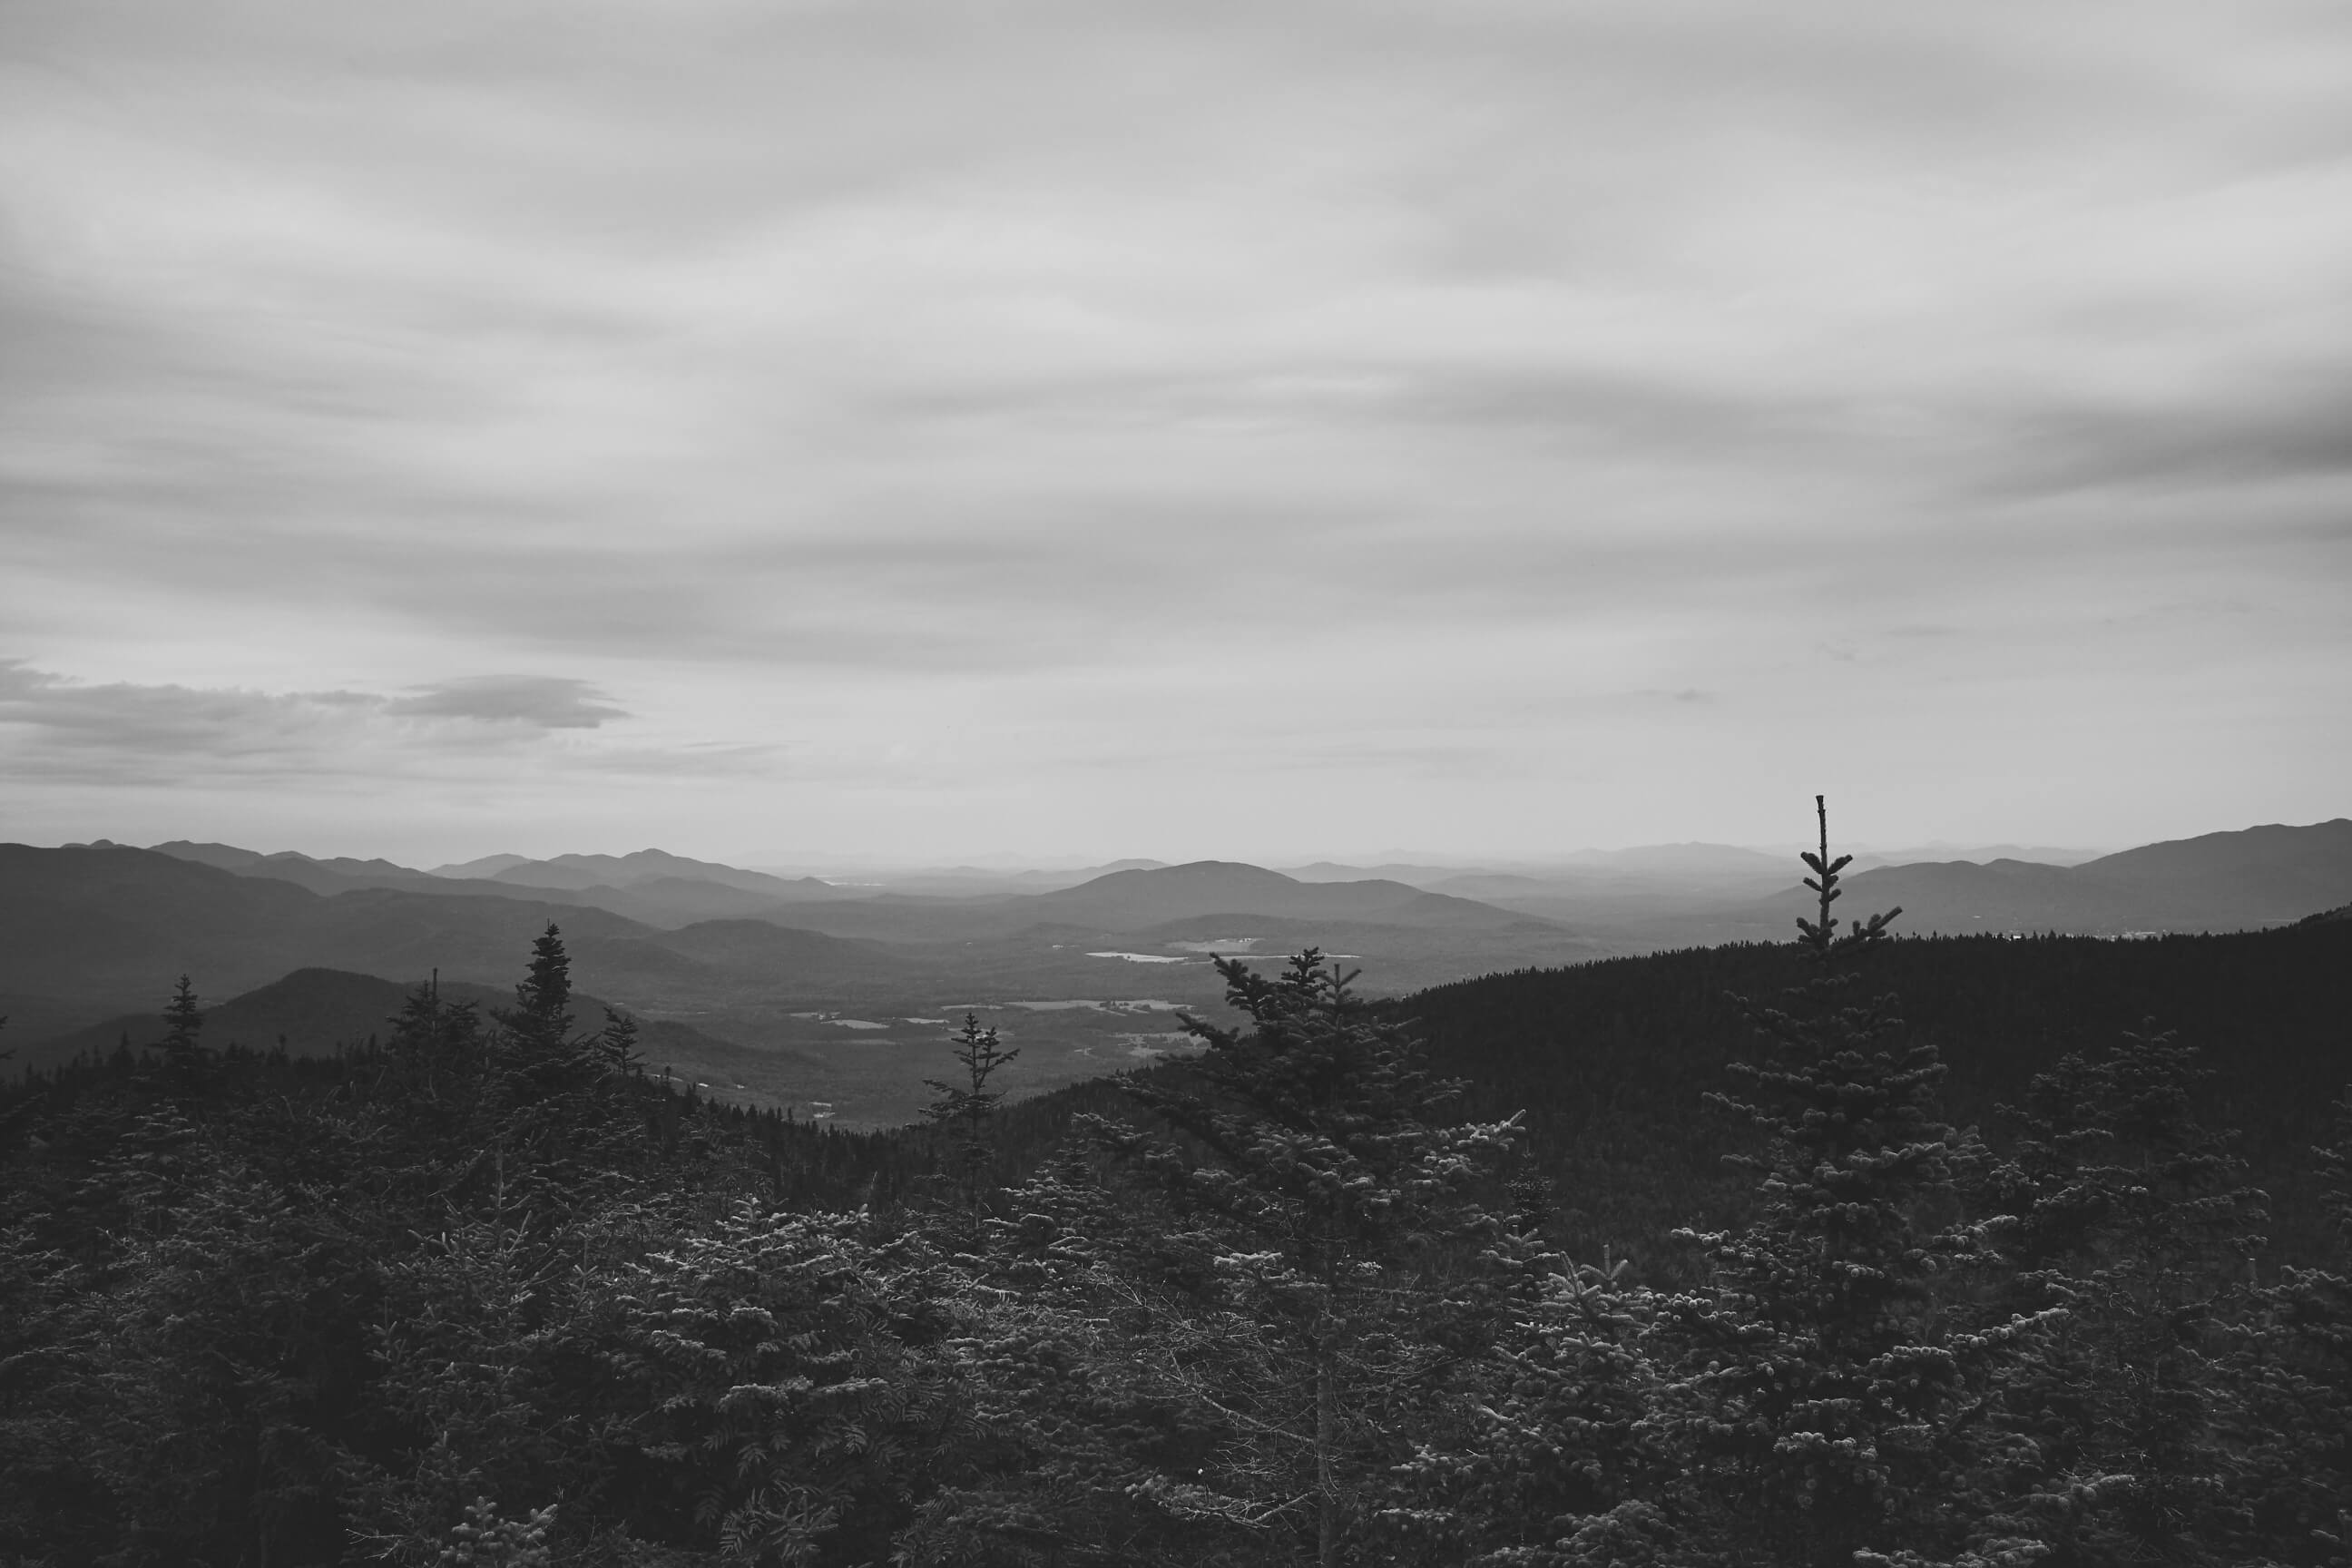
(73, 729)
(538, 702)
(55, 728)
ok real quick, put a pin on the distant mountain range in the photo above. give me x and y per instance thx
(338, 875)
(1621, 901)
(650, 885)
(111, 923)
(89, 933)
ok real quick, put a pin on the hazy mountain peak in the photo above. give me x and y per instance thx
(486, 866)
(1692, 855)
(1193, 872)
(227, 857)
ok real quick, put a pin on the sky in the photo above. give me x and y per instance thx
(777, 430)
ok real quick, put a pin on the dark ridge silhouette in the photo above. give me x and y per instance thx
(1609, 1058)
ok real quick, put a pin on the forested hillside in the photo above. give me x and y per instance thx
(1609, 1060)
(486, 1291)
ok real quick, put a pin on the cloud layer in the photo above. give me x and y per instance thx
(1054, 420)
(121, 732)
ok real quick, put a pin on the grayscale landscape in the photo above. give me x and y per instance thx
(1327, 783)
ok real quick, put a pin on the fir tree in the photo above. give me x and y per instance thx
(965, 1108)
(772, 1385)
(1824, 1398)
(1318, 1195)
(542, 1015)
(1090, 1439)
(2135, 1229)
(546, 1077)
(1556, 1459)
(616, 1045)
(436, 1049)
(2297, 1354)
(183, 1043)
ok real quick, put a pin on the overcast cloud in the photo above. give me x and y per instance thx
(1248, 430)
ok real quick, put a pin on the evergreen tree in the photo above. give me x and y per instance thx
(541, 1057)
(616, 1045)
(1316, 1195)
(965, 1107)
(183, 1043)
(544, 994)
(554, 1090)
(437, 1051)
(1125, 1411)
(1557, 1457)
(2136, 1229)
(435, 1119)
(2297, 1353)
(1823, 1391)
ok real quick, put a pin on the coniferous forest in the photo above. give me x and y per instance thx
(1855, 1250)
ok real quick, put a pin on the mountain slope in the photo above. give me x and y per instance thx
(1609, 1059)
(486, 866)
(677, 900)
(313, 1012)
(2259, 875)
(113, 921)
(579, 873)
(2218, 881)
(1130, 901)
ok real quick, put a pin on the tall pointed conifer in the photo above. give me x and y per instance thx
(1823, 1403)
(965, 1108)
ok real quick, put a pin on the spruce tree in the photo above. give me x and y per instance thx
(436, 1118)
(2135, 1229)
(1113, 1402)
(436, 1050)
(539, 1061)
(541, 1016)
(965, 1108)
(183, 1043)
(1824, 1397)
(1316, 1192)
(2296, 1357)
(616, 1045)
(559, 1101)
(1556, 1458)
